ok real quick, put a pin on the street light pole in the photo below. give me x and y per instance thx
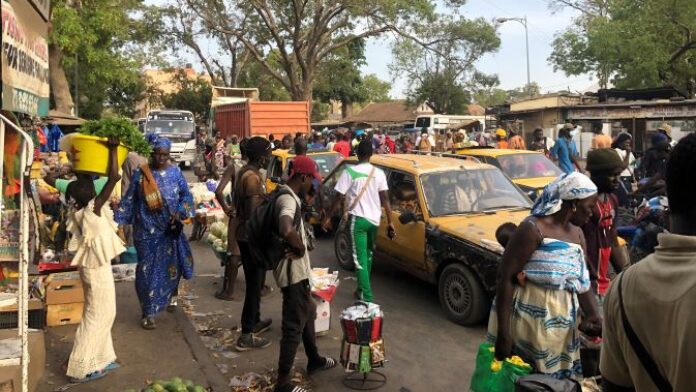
(523, 22)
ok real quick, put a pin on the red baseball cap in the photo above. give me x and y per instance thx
(305, 165)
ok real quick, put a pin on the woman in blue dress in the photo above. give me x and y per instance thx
(164, 255)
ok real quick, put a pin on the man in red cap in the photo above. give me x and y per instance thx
(292, 276)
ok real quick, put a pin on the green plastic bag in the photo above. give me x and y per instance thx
(487, 380)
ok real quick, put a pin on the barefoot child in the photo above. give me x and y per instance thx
(92, 224)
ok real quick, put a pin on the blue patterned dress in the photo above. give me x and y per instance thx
(544, 317)
(162, 261)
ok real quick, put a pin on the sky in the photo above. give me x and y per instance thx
(509, 63)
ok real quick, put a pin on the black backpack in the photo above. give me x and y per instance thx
(267, 247)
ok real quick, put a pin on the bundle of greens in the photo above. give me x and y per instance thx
(119, 127)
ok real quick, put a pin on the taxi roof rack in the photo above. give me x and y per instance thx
(447, 155)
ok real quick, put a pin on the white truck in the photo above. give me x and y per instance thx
(177, 126)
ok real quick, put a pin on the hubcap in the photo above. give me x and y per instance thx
(457, 293)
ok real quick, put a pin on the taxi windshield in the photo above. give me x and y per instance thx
(325, 162)
(518, 166)
(470, 191)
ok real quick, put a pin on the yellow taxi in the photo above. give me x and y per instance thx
(446, 212)
(280, 161)
(530, 170)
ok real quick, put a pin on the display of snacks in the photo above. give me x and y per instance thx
(362, 348)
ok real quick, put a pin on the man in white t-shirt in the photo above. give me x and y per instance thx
(365, 214)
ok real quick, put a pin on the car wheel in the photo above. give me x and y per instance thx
(461, 295)
(344, 250)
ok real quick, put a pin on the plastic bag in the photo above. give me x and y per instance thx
(495, 376)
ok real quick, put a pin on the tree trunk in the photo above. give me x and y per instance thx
(346, 109)
(59, 82)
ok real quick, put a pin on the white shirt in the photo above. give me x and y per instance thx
(351, 184)
(300, 269)
(628, 172)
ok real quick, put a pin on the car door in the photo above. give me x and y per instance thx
(274, 173)
(408, 248)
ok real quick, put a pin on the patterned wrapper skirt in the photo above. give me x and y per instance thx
(543, 325)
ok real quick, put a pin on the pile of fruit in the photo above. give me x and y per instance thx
(217, 238)
(176, 384)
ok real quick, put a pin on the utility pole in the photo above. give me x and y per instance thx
(523, 22)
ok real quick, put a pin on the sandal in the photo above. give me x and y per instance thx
(329, 363)
(112, 366)
(173, 304)
(96, 375)
(290, 388)
(148, 323)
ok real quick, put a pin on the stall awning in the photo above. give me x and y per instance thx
(60, 118)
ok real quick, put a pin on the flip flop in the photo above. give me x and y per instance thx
(90, 377)
(329, 363)
(112, 366)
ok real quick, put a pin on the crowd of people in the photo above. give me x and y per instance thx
(557, 290)
(566, 283)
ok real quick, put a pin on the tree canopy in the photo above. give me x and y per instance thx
(632, 44)
(437, 59)
(194, 95)
(301, 35)
(91, 43)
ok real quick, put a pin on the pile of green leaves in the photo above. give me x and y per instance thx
(119, 127)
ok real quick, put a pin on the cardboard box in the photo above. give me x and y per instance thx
(64, 314)
(64, 288)
(322, 323)
(12, 375)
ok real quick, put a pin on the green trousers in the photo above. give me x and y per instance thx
(364, 234)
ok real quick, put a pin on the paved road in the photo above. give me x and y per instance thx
(426, 352)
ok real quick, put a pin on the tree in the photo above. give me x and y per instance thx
(304, 33)
(377, 90)
(633, 44)
(438, 59)
(485, 90)
(90, 43)
(339, 77)
(194, 95)
(527, 91)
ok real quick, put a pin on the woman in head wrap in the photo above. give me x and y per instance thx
(623, 146)
(543, 281)
(157, 201)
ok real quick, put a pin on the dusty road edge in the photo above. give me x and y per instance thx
(216, 380)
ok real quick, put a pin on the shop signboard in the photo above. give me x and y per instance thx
(25, 76)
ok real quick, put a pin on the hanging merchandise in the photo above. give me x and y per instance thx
(362, 349)
(54, 136)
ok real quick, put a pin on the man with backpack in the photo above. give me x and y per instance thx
(365, 188)
(249, 193)
(278, 237)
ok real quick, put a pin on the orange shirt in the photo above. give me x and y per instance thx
(601, 141)
(503, 144)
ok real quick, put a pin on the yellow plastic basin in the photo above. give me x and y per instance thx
(89, 155)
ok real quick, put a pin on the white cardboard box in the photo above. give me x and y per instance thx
(323, 320)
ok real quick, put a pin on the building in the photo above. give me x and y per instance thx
(394, 114)
(161, 82)
(639, 112)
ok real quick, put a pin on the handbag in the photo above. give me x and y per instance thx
(151, 192)
(344, 218)
(642, 353)
(546, 383)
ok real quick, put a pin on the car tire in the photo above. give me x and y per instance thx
(344, 250)
(461, 295)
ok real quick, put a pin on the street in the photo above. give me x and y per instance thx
(426, 352)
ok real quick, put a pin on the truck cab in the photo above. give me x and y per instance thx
(177, 126)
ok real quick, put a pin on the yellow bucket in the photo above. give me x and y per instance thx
(88, 154)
